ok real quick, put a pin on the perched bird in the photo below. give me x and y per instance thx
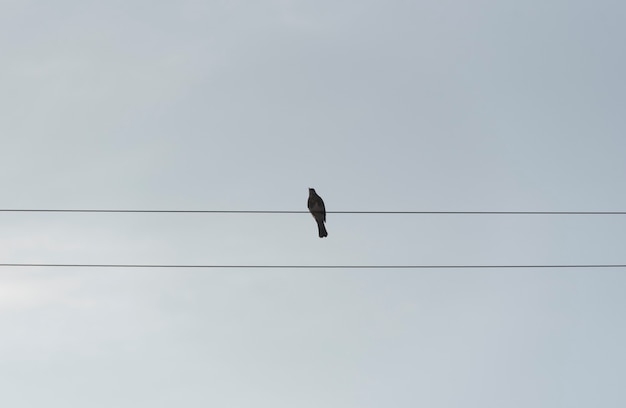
(317, 209)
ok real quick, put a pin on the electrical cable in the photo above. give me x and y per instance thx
(306, 212)
(199, 266)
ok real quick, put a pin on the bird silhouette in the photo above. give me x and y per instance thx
(318, 210)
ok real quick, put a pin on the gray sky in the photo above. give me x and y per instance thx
(394, 105)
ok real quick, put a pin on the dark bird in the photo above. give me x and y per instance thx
(316, 206)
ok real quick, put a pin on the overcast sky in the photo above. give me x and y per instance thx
(432, 105)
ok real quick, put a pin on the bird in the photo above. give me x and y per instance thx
(318, 210)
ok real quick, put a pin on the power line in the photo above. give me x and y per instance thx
(306, 212)
(198, 266)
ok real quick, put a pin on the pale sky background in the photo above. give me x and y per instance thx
(452, 105)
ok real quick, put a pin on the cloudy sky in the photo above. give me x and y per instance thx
(431, 105)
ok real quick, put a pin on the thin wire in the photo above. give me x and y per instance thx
(188, 266)
(328, 212)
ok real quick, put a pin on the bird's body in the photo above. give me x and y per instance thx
(318, 210)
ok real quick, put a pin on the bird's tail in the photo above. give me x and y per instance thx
(321, 229)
